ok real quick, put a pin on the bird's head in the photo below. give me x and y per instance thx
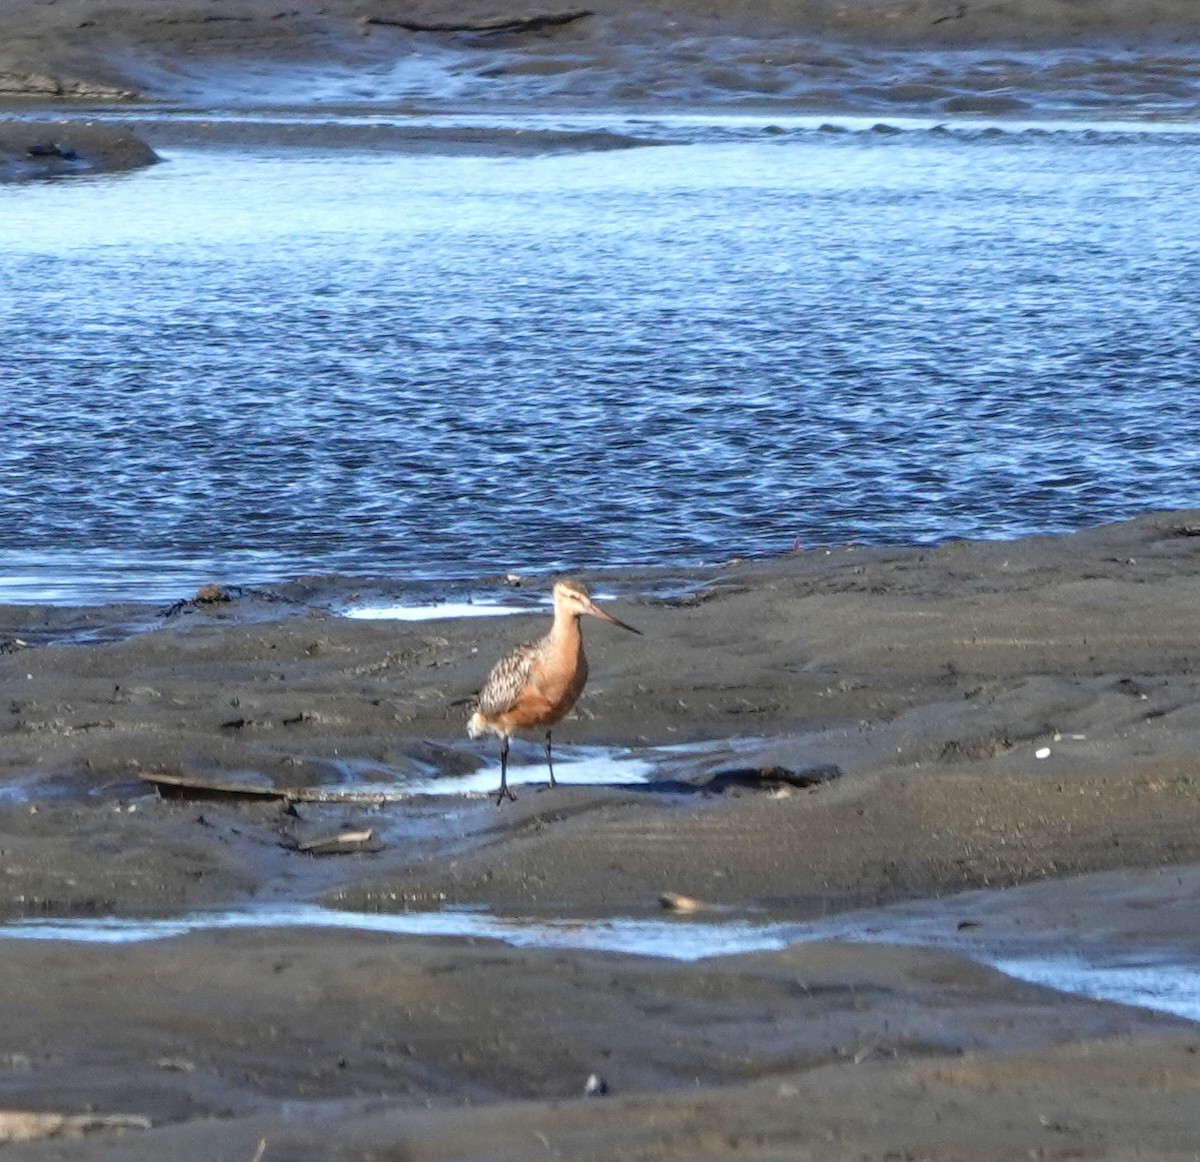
(571, 597)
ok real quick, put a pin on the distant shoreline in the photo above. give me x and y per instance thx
(928, 56)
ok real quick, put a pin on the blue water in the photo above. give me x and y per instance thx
(244, 365)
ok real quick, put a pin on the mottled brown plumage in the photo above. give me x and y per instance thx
(536, 684)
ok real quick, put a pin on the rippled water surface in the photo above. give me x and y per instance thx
(244, 365)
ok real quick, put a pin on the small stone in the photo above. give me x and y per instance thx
(677, 902)
(596, 1086)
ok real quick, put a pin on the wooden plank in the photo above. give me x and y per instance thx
(202, 787)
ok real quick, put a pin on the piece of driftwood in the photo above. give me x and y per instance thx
(496, 25)
(345, 842)
(199, 787)
(27, 1126)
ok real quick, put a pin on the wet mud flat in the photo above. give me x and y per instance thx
(928, 56)
(974, 716)
(374, 1047)
(178, 69)
(32, 149)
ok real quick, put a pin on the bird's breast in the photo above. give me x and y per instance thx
(556, 679)
(563, 679)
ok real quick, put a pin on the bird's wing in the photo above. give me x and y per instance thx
(509, 676)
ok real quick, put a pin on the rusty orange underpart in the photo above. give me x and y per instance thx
(557, 675)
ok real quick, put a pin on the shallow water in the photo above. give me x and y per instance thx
(1158, 981)
(573, 765)
(684, 765)
(471, 603)
(248, 364)
(591, 766)
(483, 607)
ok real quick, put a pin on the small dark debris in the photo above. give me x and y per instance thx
(967, 925)
(959, 12)
(12, 645)
(485, 27)
(210, 595)
(205, 595)
(51, 149)
(1130, 686)
(973, 749)
(759, 777)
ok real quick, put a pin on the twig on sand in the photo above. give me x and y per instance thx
(262, 1149)
(348, 842)
(499, 24)
(25, 1126)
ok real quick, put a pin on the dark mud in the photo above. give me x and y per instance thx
(991, 713)
(373, 1047)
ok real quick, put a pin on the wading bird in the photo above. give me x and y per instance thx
(537, 683)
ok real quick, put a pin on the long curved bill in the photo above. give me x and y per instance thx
(596, 611)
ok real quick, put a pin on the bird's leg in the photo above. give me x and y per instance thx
(550, 761)
(504, 793)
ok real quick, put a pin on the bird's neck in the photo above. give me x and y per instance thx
(566, 626)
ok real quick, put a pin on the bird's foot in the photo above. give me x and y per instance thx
(504, 793)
